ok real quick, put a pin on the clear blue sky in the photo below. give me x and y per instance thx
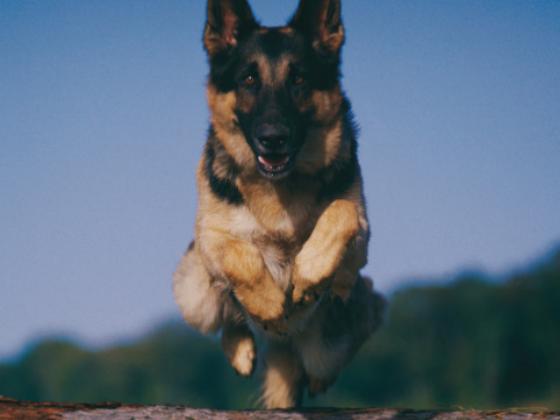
(103, 117)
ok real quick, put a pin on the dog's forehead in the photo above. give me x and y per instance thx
(274, 43)
(274, 50)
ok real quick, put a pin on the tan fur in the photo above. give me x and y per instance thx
(271, 74)
(331, 41)
(327, 105)
(224, 121)
(278, 262)
(277, 241)
(283, 210)
(266, 71)
(320, 149)
(323, 251)
(212, 41)
(281, 70)
(239, 347)
(283, 378)
(240, 263)
(201, 300)
(287, 30)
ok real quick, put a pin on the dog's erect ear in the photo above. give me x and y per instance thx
(227, 21)
(320, 20)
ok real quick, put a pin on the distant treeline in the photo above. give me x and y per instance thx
(472, 343)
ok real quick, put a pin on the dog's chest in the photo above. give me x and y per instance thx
(284, 211)
(278, 226)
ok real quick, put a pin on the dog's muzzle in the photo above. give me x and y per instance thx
(274, 157)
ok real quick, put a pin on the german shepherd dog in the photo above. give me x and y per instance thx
(281, 228)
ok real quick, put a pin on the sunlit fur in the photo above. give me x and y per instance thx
(278, 248)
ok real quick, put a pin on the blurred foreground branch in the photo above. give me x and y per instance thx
(13, 409)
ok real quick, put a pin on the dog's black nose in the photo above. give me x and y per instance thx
(272, 136)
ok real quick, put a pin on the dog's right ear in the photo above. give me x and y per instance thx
(321, 22)
(227, 21)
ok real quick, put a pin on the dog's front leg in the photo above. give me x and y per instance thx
(238, 341)
(325, 249)
(241, 263)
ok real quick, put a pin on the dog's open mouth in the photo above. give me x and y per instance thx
(274, 164)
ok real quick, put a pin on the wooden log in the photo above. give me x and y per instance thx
(13, 409)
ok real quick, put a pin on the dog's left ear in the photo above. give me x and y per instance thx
(321, 21)
(227, 21)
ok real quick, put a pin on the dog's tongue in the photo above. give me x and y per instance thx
(274, 160)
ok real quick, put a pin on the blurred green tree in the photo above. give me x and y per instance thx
(471, 342)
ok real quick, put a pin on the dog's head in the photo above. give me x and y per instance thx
(274, 91)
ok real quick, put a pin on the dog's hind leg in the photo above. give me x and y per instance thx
(199, 298)
(336, 332)
(283, 377)
(238, 341)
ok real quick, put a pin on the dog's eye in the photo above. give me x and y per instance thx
(249, 80)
